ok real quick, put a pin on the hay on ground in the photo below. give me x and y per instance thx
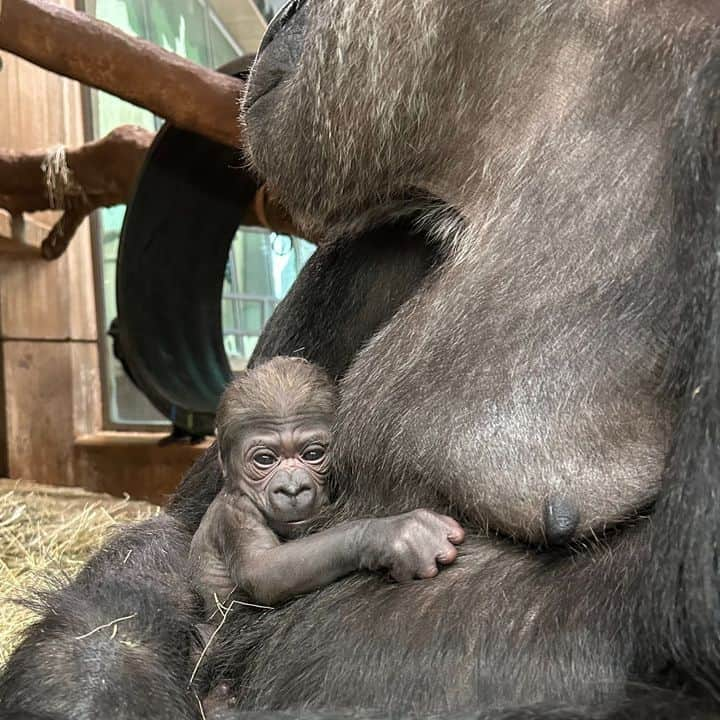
(47, 531)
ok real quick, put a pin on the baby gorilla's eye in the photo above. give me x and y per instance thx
(264, 459)
(314, 454)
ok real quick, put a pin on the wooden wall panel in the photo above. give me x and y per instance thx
(48, 327)
(4, 462)
(51, 412)
(81, 280)
(86, 389)
(133, 463)
(44, 300)
(34, 297)
(39, 411)
(49, 300)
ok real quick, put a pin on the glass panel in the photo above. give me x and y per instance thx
(126, 14)
(304, 250)
(180, 26)
(251, 260)
(111, 221)
(251, 316)
(126, 402)
(261, 269)
(230, 319)
(222, 48)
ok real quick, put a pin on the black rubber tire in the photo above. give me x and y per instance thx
(176, 236)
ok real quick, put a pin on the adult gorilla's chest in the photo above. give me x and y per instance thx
(493, 392)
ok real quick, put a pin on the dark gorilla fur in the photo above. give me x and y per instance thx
(563, 321)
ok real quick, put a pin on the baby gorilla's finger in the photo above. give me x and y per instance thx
(402, 572)
(427, 572)
(455, 532)
(448, 555)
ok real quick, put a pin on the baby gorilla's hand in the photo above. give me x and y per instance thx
(410, 545)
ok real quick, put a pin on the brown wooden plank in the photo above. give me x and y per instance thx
(133, 463)
(35, 294)
(86, 388)
(4, 464)
(43, 300)
(97, 54)
(39, 411)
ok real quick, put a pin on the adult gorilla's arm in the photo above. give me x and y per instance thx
(348, 289)
(115, 642)
(680, 590)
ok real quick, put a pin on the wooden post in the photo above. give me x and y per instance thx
(97, 54)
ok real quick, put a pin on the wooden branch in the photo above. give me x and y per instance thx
(105, 170)
(97, 54)
(103, 173)
(99, 174)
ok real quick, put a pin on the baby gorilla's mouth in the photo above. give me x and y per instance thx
(289, 529)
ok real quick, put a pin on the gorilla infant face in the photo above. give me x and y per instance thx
(274, 428)
(282, 466)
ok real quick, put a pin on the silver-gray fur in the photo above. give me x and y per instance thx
(558, 165)
(569, 332)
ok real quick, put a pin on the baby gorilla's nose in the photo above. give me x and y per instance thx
(292, 496)
(293, 491)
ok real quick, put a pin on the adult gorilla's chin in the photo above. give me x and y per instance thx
(372, 147)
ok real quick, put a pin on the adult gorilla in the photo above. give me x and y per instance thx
(560, 329)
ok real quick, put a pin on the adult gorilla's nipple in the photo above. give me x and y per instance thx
(561, 520)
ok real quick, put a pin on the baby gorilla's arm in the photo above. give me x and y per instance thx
(408, 546)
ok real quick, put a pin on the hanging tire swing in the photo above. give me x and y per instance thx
(188, 204)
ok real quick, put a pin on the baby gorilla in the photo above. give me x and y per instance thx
(274, 434)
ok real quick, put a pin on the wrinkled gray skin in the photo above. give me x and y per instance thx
(560, 413)
(274, 428)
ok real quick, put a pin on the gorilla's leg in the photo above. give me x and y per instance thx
(525, 637)
(654, 706)
(345, 293)
(502, 628)
(115, 642)
(503, 634)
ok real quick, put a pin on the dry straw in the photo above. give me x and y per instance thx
(47, 531)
